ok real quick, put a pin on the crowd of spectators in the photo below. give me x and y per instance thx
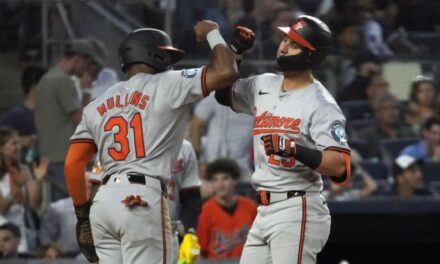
(399, 136)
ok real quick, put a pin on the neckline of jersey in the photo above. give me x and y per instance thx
(301, 90)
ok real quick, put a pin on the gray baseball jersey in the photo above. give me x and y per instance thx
(309, 115)
(137, 124)
(185, 174)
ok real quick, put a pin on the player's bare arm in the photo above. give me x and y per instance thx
(222, 70)
(332, 163)
(242, 40)
(78, 156)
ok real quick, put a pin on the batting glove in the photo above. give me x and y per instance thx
(84, 232)
(242, 39)
(279, 145)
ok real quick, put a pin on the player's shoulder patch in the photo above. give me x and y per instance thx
(338, 132)
(190, 73)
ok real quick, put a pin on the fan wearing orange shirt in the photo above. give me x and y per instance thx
(226, 218)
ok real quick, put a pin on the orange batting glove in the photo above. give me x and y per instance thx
(279, 145)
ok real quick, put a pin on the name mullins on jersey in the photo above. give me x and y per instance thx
(136, 99)
(269, 120)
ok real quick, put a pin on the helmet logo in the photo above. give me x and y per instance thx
(298, 25)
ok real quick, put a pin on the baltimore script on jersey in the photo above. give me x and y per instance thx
(269, 120)
(136, 99)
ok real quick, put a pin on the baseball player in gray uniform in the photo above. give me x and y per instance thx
(136, 127)
(184, 200)
(182, 191)
(299, 135)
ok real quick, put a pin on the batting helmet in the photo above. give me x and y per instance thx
(148, 46)
(314, 36)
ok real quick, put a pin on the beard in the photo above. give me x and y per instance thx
(296, 63)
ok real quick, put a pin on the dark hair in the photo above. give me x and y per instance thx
(363, 57)
(5, 135)
(415, 87)
(223, 165)
(431, 122)
(11, 228)
(381, 100)
(31, 75)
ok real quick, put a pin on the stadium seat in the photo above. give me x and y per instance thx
(360, 146)
(431, 172)
(377, 170)
(357, 110)
(391, 148)
(357, 125)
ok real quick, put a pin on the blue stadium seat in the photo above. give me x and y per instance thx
(391, 148)
(377, 170)
(357, 110)
(360, 146)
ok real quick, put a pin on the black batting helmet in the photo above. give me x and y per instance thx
(148, 46)
(313, 35)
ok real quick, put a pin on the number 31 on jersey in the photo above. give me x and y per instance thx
(123, 136)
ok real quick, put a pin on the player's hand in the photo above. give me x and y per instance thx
(202, 28)
(84, 232)
(242, 39)
(279, 145)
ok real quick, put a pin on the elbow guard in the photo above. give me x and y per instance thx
(345, 178)
(223, 96)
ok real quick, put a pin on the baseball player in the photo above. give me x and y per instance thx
(184, 200)
(299, 135)
(136, 127)
(182, 191)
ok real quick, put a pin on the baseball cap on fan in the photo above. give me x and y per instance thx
(404, 162)
(89, 47)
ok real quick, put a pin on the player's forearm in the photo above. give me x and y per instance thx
(78, 156)
(224, 96)
(222, 71)
(332, 164)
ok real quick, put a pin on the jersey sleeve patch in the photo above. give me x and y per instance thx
(338, 132)
(190, 73)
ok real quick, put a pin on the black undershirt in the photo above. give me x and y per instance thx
(231, 209)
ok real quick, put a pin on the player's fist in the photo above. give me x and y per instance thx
(279, 145)
(202, 28)
(242, 39)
